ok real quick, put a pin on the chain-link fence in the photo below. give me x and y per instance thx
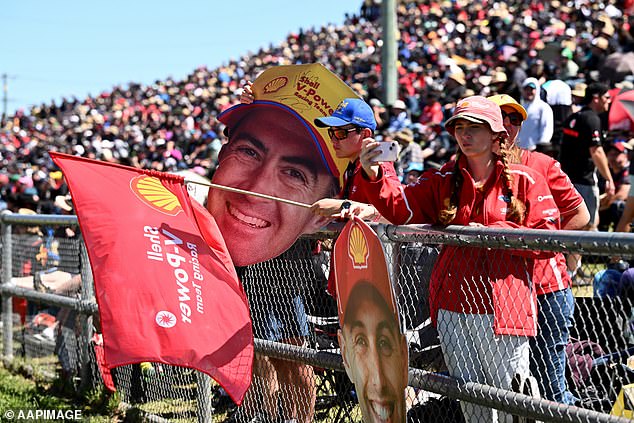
(449, 284)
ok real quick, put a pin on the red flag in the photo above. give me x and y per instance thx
(166, 288)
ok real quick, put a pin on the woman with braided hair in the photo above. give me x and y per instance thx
(482, 300)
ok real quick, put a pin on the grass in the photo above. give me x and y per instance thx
(18, 392)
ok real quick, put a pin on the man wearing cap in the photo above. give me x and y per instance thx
(582, 153)
(350, 124)
(555, 300)
(373, 346)
(538, 127)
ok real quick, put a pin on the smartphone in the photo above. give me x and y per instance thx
(389, 151)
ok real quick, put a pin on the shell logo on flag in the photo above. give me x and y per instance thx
(275, 84)
(152, 192)
(358, 250)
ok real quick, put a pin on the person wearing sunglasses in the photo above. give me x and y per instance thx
(351, 123)
(555, 301)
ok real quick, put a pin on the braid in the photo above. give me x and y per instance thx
(516, 210)
(513, 153)
(448, 214)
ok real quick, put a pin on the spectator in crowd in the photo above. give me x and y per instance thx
(569, 69)
(581, 155)
(625, 222)
(455, 89)
(516, 75)
(537, 130)
(349, 125)
(611, 207)
(459, 194)
(257, 229)
(412, 173)
(578, 92)
(410, 151)
(287, 389)
(598, 54)
(555, 301)
(399, 117)
(380, 113)
(432, 113)
(559, 98)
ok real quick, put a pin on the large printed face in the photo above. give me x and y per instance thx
(269, 152)
(375, 358)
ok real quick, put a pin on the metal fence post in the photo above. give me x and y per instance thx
(7, 303)
(86, 294)
(204, 410)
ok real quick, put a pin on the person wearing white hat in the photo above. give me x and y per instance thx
(399, 118)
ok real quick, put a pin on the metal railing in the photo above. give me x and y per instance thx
(183, 394)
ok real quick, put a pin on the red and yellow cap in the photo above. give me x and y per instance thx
(305, 91)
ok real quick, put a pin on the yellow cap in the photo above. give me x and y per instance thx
(306, 91)
(507, 100)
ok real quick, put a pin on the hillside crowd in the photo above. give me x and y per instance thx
(446, 50)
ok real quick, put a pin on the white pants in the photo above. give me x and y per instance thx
(473, 353)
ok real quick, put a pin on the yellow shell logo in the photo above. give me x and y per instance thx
(275, 84)
(358, 250)
(151, 191)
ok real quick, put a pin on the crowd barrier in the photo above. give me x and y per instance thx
(49, 311)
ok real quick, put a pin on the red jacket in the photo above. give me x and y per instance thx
(476, 280)
(551, 275)
(352, 189)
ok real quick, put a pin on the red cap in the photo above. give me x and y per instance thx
(359, 258)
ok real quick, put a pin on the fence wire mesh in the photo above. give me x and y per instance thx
(298, 372)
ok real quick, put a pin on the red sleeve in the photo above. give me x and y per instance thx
(401, 205)
(563, 191)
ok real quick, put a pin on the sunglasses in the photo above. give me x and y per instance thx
(340, 133)
(514, 117)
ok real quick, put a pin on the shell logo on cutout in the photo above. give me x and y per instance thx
(151, 191)
(275, 84)
(358, 249)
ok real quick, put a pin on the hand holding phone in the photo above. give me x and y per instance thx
(388, 151)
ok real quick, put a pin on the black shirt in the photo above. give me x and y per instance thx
(581, 131)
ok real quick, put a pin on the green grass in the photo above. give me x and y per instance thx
(21, 393)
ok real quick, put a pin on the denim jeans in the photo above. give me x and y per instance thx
(548, 348)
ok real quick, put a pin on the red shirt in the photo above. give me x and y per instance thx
(551, 275)
(476, 280)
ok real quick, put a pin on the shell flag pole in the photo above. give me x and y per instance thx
(165, 284)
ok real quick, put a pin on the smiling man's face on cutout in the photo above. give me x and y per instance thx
(375, 355)
(270, 152)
